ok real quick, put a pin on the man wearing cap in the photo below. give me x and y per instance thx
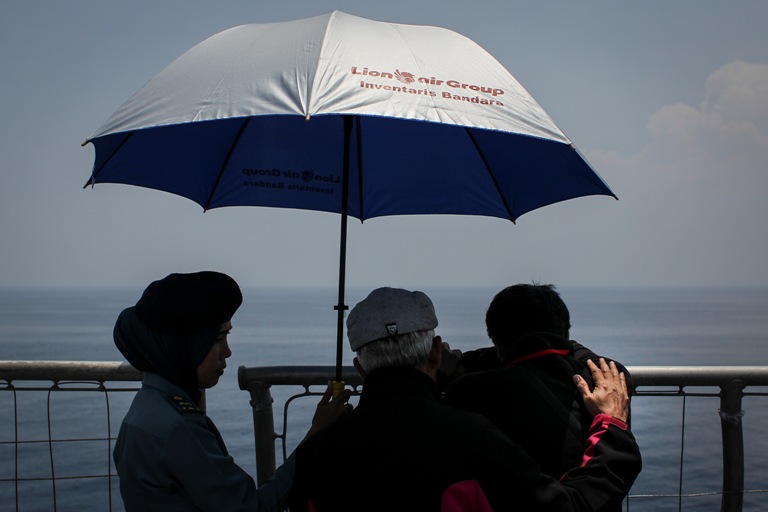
(169, 454)
(400, 449)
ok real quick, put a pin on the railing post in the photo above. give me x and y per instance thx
(263, 430)
(733, 445)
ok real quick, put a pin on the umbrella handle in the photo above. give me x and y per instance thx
(338, 387)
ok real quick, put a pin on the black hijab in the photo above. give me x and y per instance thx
(175, 323)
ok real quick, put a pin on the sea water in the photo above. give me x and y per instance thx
(288, 326)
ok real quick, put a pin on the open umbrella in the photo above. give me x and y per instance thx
(342, 114)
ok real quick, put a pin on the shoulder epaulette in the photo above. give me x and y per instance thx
(183, 405)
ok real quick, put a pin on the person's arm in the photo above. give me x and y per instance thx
(210, 478)
(609, 467)
(611, 451)
(329, 409)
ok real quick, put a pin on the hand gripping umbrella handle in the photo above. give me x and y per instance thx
(338, 387)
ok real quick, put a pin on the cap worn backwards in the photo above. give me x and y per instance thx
(389, 312)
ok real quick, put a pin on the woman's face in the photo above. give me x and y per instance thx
(212, 367)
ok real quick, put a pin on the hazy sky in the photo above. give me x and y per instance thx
(667, 100)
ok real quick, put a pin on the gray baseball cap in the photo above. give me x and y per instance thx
(388, 312)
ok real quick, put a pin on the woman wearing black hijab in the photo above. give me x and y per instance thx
(169, 454)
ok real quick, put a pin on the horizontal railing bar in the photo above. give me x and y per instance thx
(678, 394)
(101, 371)
(697, 375)
(675, 376)
(294, 375)
(55, 371)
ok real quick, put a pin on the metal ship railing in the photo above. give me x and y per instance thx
(113, 382)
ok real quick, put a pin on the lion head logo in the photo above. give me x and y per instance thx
(405, 77)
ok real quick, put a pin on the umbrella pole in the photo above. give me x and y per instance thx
(341, 307)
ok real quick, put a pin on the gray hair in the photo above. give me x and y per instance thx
(405, 350)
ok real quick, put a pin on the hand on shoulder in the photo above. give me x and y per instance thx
(610, 395)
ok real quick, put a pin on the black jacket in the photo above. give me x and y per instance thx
(401, 449)
(534, 401)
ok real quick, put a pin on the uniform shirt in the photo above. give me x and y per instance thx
(170, 457)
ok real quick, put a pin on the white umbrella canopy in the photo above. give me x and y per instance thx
(336, 64)
(342, 114)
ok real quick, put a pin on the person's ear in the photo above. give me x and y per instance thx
(359, 368)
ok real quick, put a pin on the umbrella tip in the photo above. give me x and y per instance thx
(307, 118)
(84, 143)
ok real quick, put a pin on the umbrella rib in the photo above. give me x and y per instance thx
(490, 173)
(92, 180)
(232, 147)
